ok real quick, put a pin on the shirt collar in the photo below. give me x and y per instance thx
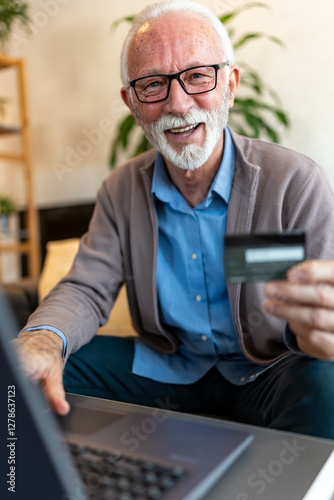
(164, 190)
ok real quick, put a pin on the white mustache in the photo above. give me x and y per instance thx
(194, 117)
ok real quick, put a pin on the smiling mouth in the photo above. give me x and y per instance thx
(184, 130)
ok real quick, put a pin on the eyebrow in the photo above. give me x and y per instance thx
(189, 66)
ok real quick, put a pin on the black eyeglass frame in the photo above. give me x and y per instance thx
(176, 76)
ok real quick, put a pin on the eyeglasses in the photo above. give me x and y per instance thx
(197, 80)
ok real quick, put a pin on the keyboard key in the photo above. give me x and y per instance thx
(126, 496)
(110, 495)
(154, 492)
(167, 482)
(179, 472)
(149, 465)
(138, 489)
(151, 478)
(124, 484)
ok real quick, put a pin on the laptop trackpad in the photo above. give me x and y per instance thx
(85, 421)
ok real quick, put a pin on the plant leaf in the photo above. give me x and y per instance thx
(226, 18)
(125, 128)
(125, 19)
(252, 36)
(271, 132)
(11, 13)
(122, 138)
(143, 146)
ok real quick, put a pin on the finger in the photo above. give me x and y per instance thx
(314, 342)
(316, 318)
(312, 271)
(54, 391)
(320, 294)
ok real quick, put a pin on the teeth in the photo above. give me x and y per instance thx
(181, 130)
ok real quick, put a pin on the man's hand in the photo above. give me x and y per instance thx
(306, 301)
(40, 354)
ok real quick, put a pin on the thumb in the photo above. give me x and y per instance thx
(54, 392)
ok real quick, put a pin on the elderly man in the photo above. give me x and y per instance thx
(158, 227)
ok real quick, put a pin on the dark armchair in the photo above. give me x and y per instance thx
(22, 296)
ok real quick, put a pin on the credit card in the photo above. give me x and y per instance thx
(262, 256)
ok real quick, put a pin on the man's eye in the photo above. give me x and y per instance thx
(195, 76)
(152, 85)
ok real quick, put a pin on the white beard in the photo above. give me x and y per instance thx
(192, 156)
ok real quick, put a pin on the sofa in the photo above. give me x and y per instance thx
(22, 296)
(25, 294)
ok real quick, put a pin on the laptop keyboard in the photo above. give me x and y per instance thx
(113, 476)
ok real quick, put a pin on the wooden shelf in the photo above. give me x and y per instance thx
(14, 247)
(7, 61)
(31, 246)
(9, 130)
(12, 157)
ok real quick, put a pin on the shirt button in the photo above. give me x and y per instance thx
(251, 377)
(198, 298)
(204, 338)
(242, 379)
(194, 256)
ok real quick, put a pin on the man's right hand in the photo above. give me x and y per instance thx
(40, 353)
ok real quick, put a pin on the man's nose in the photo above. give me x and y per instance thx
(178, 102)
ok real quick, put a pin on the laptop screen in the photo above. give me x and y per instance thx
(29, 454)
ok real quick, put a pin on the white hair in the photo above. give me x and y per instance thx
(159, 9)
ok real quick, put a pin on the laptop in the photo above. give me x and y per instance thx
(103, 450)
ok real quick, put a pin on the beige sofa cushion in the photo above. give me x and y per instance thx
(58, 261)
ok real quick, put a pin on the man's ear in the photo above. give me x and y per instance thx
(125, 94)
(234, 80)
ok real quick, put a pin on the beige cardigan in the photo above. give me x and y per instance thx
(274, 189)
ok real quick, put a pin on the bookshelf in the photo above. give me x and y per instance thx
(29, 245)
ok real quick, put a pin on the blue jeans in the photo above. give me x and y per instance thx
(296, 394)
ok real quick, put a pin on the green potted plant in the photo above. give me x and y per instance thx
(257, 110)
(12, 12)
(7, 207)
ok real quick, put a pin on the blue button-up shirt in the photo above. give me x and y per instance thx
(192, 293)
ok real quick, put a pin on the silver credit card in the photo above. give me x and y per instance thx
(262, 256)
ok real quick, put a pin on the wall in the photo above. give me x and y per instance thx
(73, 74)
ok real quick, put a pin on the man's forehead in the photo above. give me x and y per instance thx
(175, 24)
(176, 37)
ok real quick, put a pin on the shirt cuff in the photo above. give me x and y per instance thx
(51, 329)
